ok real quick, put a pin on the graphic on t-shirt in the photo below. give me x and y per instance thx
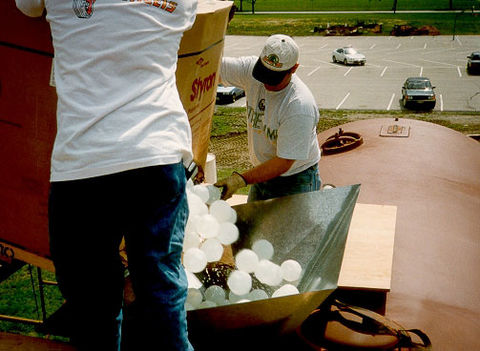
(83, 8)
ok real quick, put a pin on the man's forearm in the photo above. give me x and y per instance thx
(267, 170)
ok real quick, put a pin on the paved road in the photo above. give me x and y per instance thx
(390, 60)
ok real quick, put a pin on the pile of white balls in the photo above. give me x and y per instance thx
(210, 228)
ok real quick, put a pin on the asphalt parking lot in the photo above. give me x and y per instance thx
(390, 60)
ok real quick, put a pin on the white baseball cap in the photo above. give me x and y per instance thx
(279, 54)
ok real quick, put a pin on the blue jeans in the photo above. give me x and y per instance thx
(87, 220)
(305, 181)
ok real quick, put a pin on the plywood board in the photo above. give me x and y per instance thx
(367, 260)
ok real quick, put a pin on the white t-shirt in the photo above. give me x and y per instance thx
(118, 104)
(279, 123)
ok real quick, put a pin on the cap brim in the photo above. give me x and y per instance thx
(267, 76)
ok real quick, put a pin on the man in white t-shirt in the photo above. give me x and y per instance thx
(282, 117)
(117, 167)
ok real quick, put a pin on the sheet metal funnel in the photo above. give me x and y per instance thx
(310, 228)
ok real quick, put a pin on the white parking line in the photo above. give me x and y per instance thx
(457, 39)
(391, 101)
(321, 47)
(402, 63)
(383, 72)
(312, 72)
(341, 102)
(411, 38)
(398, 46)
(347, 71)
(371, 47)
(441, 102)
(440, 63)
(424, 46)
(459, 73)
(421, 71)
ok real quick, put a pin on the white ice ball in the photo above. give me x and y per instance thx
(194, 260)
(257, 294)
(215, 294)
(207, 226)
(285, 290)
(263, 248)
(214, 194)
(194, 297)
(190, 240)
(221, 210)
(268, 273)
(213, 249)
(207, 304)
(246, 260)
(201, 191)
(196, 205)
(233, 298)
(291, 270)
(227, 233)
(239, 282)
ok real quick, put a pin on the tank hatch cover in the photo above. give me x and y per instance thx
(395, 130)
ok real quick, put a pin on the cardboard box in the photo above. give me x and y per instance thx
(28, 117)
(197, 73)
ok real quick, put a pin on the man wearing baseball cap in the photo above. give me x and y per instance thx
(282, 116)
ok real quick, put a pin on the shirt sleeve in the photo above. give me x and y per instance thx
(237, 71)
(295, 137)
(32, 8)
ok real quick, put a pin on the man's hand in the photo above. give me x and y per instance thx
(230, 185)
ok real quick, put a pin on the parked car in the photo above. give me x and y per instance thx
(228, 94)
(473, 62)
(348, 56)
(418, 92)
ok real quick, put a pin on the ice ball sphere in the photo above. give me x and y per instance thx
(291, 270)
(268, 272)
(216, 294)
(263, 248)
(213, 249)
(194, 260)
(207, 304)
(190, 240)
(227, 233)
(207, 226)
(239, 282)
(196, 205)
(221, 210)
(257, 294)
(233, 216)
(285, 290)
(232, 297)
(246, 260)
(214, 194)
(201, 191)
(194, 297)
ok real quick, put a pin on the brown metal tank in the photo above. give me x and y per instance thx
(432, 174)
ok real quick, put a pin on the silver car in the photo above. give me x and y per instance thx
(418, 92)
(348, 56)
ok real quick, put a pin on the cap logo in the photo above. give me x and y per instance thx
(272, 60)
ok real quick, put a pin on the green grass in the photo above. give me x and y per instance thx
(303, 24)
(232, 119)
(349, 5)
(18, 298)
